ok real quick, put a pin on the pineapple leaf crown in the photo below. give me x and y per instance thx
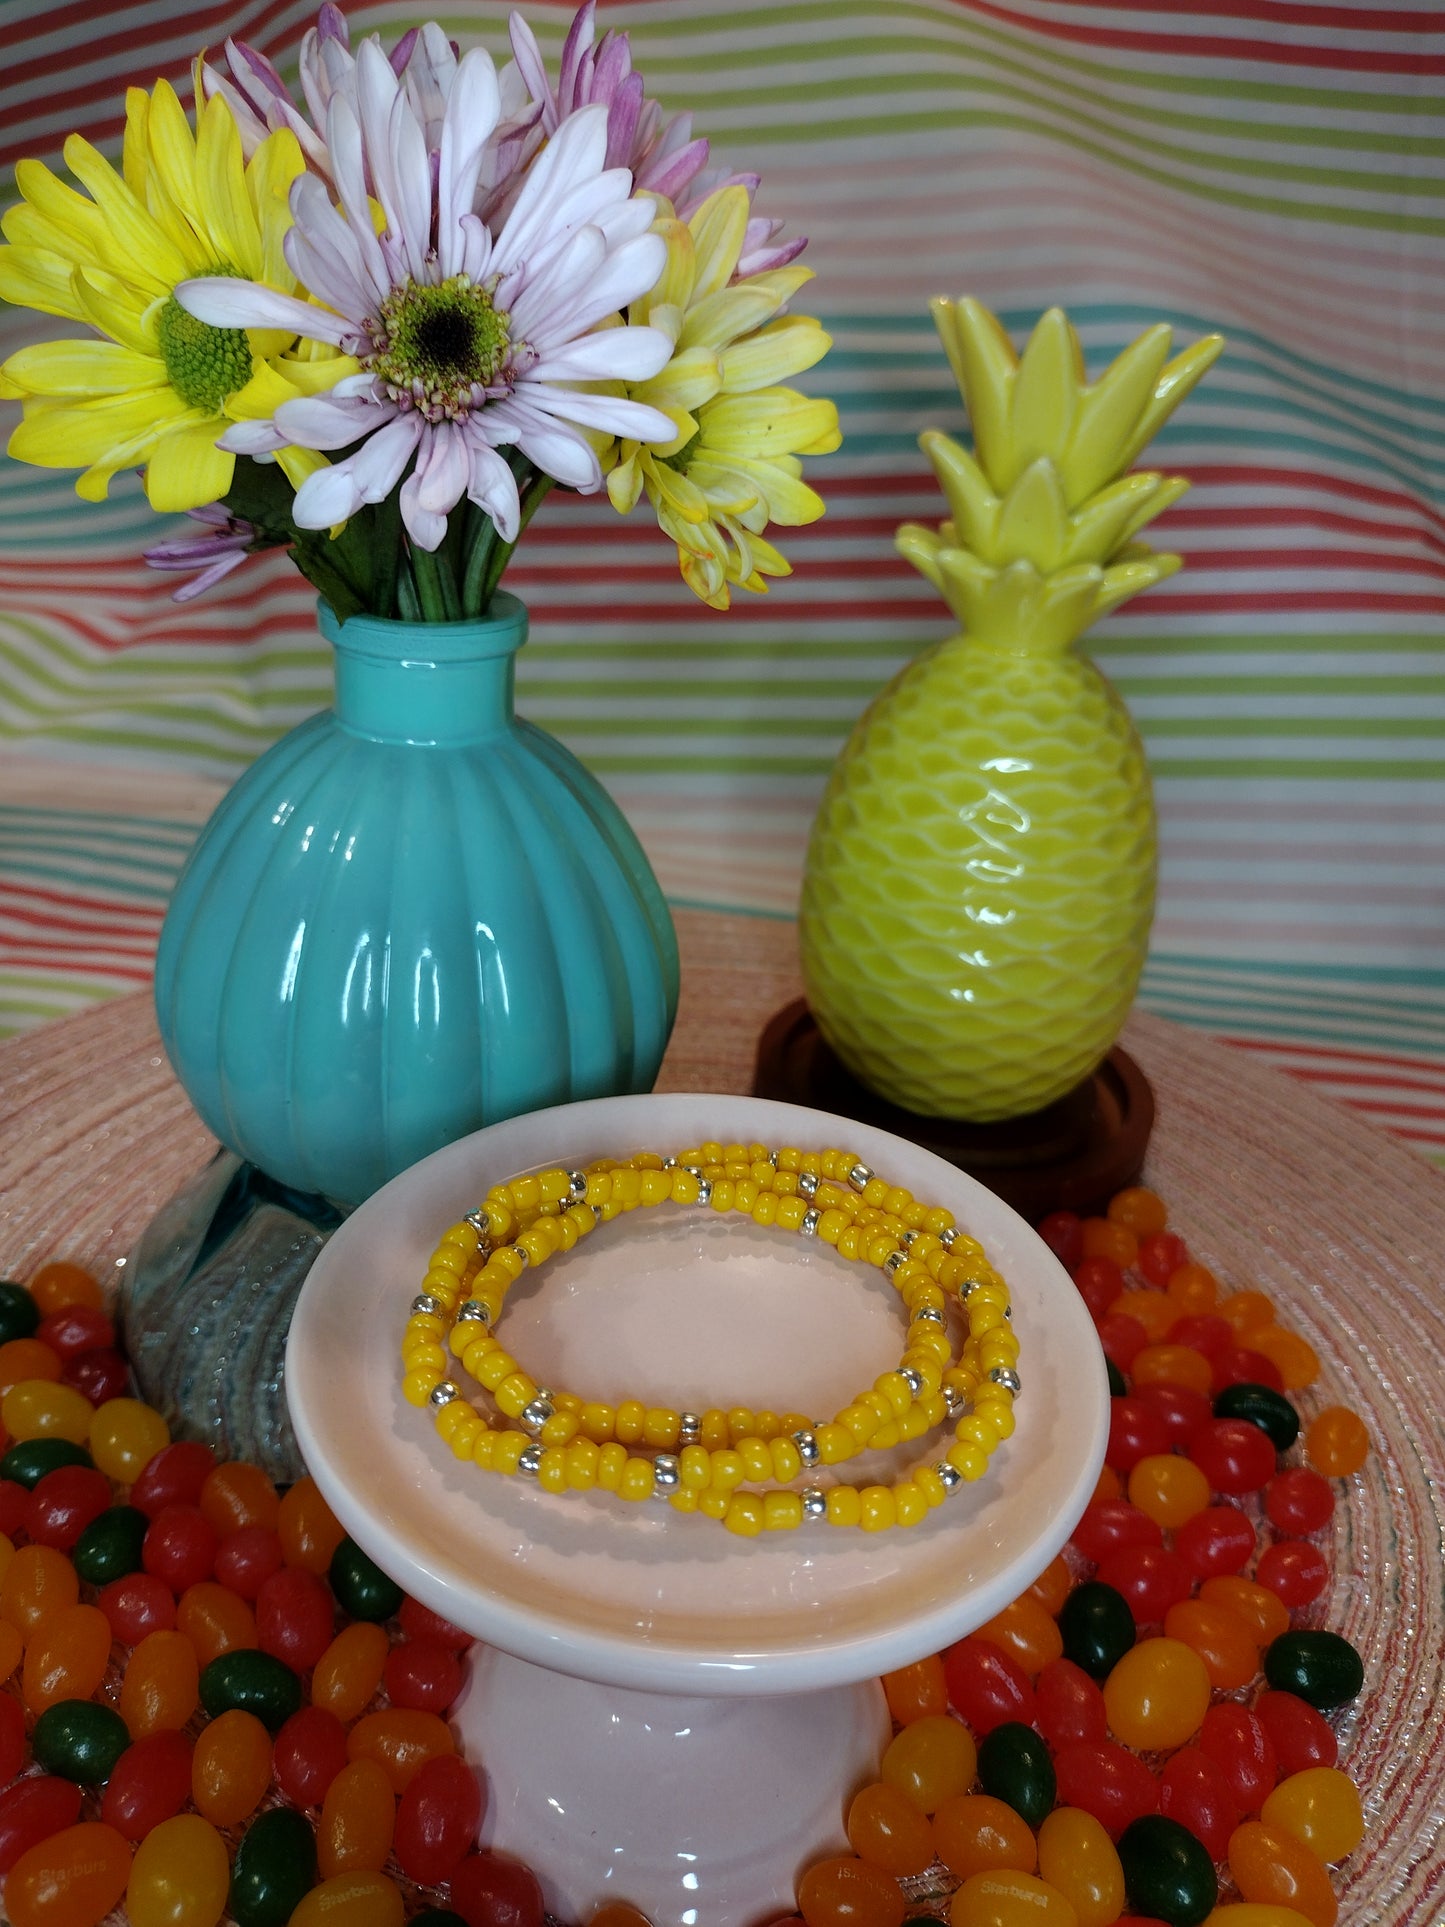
(1040, 542)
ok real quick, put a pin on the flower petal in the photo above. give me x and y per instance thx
(775, 353)
(84, 368)
(493, 486)
(619, 354)
(228, 303)
(187, 470)
(130, 238)
(471, 116)
(319, 421)
(334, 494)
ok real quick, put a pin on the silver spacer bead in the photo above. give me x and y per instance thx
(807, 1184)
(815, 1503)
(773, 1159)
(530, 1463)
(478, 1221)
(704, 1185)
(860, 1176)
(444, 1393)
(892, 1263)
(909, 1239)
(597, 1214)
(807, 1444)
(930, 1315)
(950, 1475)
(953, 1399)
(424, 1302)
(669, 1164)
(534, 1415)
(1008, 1378)
(473, 1312)
(521, 1251)
(811, 1219)
(912, 1379)
(577, 1183)
(948, 1239)
(689, 1428)
(1008, 1312)
(966, 1290)
(666, 1475)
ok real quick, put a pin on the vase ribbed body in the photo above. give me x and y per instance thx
(414, 915)
(980, 882)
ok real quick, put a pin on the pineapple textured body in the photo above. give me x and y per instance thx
(980, 882)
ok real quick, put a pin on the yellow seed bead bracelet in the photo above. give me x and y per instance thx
(570, 1444)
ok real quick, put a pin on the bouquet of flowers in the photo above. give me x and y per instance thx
(381, 326)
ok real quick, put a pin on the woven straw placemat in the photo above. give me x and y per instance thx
(1272, 1187)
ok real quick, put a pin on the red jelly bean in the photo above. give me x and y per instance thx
(136, 1606)
(12, 1737)
(1243, 1751)
(420, 1622)
(493, 1890)
(1182, 1409)
(100, 1375)
(1063, 1233)
(419, 1672)
(31, 1811)
(246, 1559)
(1240, 1366)
(1123, 1338)
(74, 1329)
(1194, 1791)
(1294, 1571)
(1110, 1524)
(1070, 1706)
(1204, 1333)
(1298, 1501)
(1220, 1539)
(1099, 1282)
(64, 1503)
(180, 1546)
(1151, 1579)
(1235, 1456)
(295, 1617)
(1161, 1255)
(14, 1502)
(151, 1782)
(437, 1820)
(309, 1752)
(986, 1686)
(173, 1477)
(1135, 1432)
(1301, 1737)
(1107, 1780)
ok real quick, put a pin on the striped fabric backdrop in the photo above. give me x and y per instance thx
(1269, 168)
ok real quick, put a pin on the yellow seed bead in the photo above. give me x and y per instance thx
(610, 1462)
(684, 1187)
(885, 1436)
(713, 1432)
(554, 1186)
(484, 1449)
(627, 1188)
(526, 1193)
(741, 1424)
(998, 1415)
(509, 1262)
(630, 1416)
(500, 1219)
(515, 1392)
(416, 1358)
(598, 1422)
(560, 1429)
(757, 1459)
(656, 1187)
(727, 1471)
(552, 1472)
(660, 1428)
(859, 1421)
(767, 1425)
(448, 1257)
(831, 1226)
(930, 1485)
(582, 1456)
(636, 1481)
(913, 1424)
(968, 1460)
(423, 1324)
(786, 1462)
(417, 1387)
(745, 1194)
(568, 1402)
(694, 1467)
(894, 1387)
(765, 1211)
(974, 1431)
(464, 1437)
(782, 1511)
(722, 1195)
(714, 1505)
(508, 1450)
(878, 1511)
(835, 1443)
(910, 1503)
(456, 1416)
(845, 1508)
(683, 1500)
(790, 1213)
(744, 1515)
(599, 1187)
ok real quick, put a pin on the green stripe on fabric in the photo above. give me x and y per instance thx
(1331, 974)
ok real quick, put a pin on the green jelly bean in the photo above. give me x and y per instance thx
(1261, 1405)
(1168, 1875)
(1322, 1668)
(19, 1313)
(1014, 1766)
(110, 1546)
(1118, 1384)
(274, 1870)
(79, 1740)
(1097, 1628)
(256, 1683)
(28, 1462)
(360, 1585)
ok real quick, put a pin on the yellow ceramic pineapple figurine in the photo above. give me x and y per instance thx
(980, 881)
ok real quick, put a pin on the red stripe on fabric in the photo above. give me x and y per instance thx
(102, 959)
(78, 902)
(1362, 1081)
(1345, 1055)
(137, 943)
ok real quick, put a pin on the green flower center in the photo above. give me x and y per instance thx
(440, 348)
(206, 365)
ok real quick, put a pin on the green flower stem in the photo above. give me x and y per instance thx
(435, 586)
(479, 555)
(386, 555)
(533, 496)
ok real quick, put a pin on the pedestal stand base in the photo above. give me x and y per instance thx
(1071, 1156)
(206, 1305)
(692, 1810)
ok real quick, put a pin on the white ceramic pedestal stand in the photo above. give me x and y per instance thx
(665, 1714)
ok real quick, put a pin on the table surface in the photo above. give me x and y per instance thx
(1271, 1185)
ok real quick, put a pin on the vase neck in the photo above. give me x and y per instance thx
(426, 682)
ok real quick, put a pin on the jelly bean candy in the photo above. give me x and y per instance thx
(174, 1475)
(490, 1887)
(361, 1587)
(151, 1783)
(1271, 1411)
(420, 1622)
(1079, 1858)
(275, 1869)
(1194, 1791)
(1157, 1695)
(1107, 1781)
(1320, 1807)
(246, 1559)
(974, 1832)
(238, 1494)
(136, 1606)
(1337, 1442)
(400, 1741)
(352, 1900)
(1070, 1705)
(79, 1741)
(358, 1817)
(1097, 1628)
(31, 1811)
(295, 1617)
(66, 1658)
(216, 1620)
(349, 1672)
(1319, 1667)
(1014, 1766)
(64, 1503)
(37, 1582)
(1167, 1872)
(255, 1682)
(1221, 1639)
(1301, 1737)
(19, 1313)
(1006, 1899)
(125, 1436)
(231, 1768)
(439, 1814)
(1027, 1631)
(61, 1283)
(1272, 1866)
(110, 1546)
(180, 1876)
(845, 1889)
(888, 1830)
(308, 1529)
(73, 1879)
(180, 1547)
(987, 1687)
(1243, 1751)
(12, 1736)
(27, 1464)
(160, 1690)
(310, 1751)
(930, 1761)
(423, 1673)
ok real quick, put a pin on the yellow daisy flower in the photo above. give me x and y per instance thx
(733, 467)
(161, 386)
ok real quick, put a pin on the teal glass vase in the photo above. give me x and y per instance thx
(414, 915)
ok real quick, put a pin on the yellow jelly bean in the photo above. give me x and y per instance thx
(180, 1875)
(1320, 1807)
(1003, 1898)
(1077, 1856)
(38, 1408)
(1255, 1913)
(125, 1436)
(357, 1899)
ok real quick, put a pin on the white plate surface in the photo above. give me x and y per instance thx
(685, 1308)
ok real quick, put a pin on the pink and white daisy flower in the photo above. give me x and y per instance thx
(467, 341)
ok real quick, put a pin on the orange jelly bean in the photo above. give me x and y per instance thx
(1077, 1856)
(1154, 1310)
(351, 1900)
(930, 1761)
(181, 1875)
(1168, 1488)
(1296, 1358)
(358, 1818)
(12, 1646)
(67, 1657)
(231, 1768)
(215, 1620)
(1104, 1239)
(1247, 1313)
(1272, 1866)
(26, 1358)
(1263, 1611)
(38, 1408)
(1107, 1485)
(1007, 1899)
(125, 1436)
(1220, 1637)
(1167, 1364)
(1337, 1442)
(73, 1879)
(60, 1283)
(1053, 1586)
(887, 1830)
(38, 1582)
(310, 1531)
(401, 1740)
(1194, 1288)
(1141, 1210)
(844, 1892)
(975, 1833)
(1027, 1632)
(917, 1692)
(1157, 1694)
(161, 1688)
(348, 1674)
(1321, 1807)
(238, 1494)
